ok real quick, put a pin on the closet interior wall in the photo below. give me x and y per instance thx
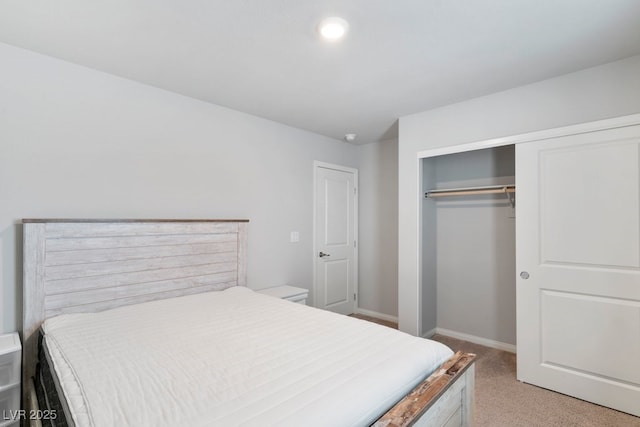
(468, 248)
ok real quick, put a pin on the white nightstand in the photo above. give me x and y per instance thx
(290, 293)
(10, 355)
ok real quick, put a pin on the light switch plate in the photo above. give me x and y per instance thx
(295, 237)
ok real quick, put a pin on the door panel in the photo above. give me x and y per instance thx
(608, 212)
(335, 238)
(578, 238)
(337, 192)
(336, 284)
(576, 327)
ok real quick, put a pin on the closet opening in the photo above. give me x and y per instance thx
(468, 246)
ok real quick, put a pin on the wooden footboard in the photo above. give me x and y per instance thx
(444, 399)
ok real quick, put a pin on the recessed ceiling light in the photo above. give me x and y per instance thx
(333, 29)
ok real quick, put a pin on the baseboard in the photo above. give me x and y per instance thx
(429, 334)
(377, 315)
(472, 338)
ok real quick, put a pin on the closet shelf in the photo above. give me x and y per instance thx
(470, 191)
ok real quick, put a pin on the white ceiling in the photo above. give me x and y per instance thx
(263, 57)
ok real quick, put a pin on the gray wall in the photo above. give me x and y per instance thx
(378, 218)
(75, 142)
(473, 267)
(606, 91)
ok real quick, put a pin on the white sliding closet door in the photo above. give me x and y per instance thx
(578, 260)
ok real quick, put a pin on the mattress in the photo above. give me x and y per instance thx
(50, 401)
(234, 357)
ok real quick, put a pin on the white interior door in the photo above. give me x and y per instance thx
(335, 239)
(578, 257)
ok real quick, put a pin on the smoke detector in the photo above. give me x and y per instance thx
(350, 137)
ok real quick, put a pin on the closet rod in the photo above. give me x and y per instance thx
(470, 191)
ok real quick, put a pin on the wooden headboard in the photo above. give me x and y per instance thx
(82, 265)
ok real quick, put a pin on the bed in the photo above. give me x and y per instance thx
(150, 322)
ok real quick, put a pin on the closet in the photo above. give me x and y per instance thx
(568, 288)
(468, 246)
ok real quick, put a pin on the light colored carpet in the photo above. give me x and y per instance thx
(501, 400)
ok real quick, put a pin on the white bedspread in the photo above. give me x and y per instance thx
(230, 358)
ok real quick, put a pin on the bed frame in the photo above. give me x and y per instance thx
(89, 265)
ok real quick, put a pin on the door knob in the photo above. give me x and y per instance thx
(322, 255)
(524, 275)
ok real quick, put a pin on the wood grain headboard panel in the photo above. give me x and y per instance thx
(80, 266)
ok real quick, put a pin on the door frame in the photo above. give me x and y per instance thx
(594, 126)
(316, 165)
